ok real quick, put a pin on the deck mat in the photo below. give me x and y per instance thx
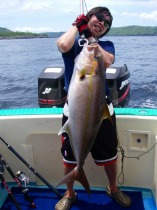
(45, 199)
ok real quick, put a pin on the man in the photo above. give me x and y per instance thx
(93, 26)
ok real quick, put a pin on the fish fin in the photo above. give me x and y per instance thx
(77, 175)
(107, 113)
(64, 129)
(83, 180)
(82, 74)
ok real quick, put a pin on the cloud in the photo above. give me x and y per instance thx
(32, 5)
(34, 29)
(7, 4)
(129, 14)
(149, 16)
(143, 16)
(32, 15)
(26, 5)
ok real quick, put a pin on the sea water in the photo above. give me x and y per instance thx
(22, 60)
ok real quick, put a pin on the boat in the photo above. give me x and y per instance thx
(29, 140)
(33, 133)
(30, 144)
(33, 137)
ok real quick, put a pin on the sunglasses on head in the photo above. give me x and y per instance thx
(101, 18)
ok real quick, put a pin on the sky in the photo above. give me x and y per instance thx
(58, 15)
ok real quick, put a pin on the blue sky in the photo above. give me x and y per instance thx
(58, 15)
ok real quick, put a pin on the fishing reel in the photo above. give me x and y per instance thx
(1, 168)
(1, 174)
(23, 178)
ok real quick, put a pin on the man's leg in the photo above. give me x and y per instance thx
(112, 190)
(70, 191)
(111, 172)
(70, 196)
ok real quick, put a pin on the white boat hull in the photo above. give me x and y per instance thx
(35, 138)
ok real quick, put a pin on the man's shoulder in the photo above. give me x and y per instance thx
(105, 42)
(107, 46)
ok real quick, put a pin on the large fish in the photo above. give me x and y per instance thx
(87, 109)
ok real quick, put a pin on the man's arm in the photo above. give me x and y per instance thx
(107, 57)
(66, 41)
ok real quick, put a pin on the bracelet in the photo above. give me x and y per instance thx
(92, 41)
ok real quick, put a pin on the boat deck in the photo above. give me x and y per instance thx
(148, 199)
(34, 132)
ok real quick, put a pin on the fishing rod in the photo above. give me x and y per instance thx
(23, 190)
(31, 168)
(83, 5)
(4, 184)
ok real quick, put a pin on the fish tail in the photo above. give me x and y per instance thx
(81, 177)
(76, 175)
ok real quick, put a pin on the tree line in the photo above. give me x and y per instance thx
(6, 33)
(115, 31)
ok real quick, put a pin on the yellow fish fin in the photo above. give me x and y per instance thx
(107, 113)
(65, 128)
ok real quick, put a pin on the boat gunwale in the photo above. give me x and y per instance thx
(59, 111)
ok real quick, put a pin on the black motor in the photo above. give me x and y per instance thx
(119, 85)
(51, 87)
(51, 90)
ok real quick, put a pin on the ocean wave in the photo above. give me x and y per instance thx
(22, 61)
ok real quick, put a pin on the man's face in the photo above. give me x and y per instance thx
(98, 24)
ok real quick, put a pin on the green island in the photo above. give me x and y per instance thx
(8, 34)
(115, 31)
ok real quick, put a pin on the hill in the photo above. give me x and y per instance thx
(4, 30)
(133, 31)
(8, 34)
(119, 31)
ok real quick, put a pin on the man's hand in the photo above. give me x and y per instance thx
(81, 23)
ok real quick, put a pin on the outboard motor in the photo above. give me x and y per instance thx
(119, 85)
(51, 87)
(51, 90)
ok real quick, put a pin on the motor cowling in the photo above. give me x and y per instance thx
(51, 88)
(51, 92)
(117, 78)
